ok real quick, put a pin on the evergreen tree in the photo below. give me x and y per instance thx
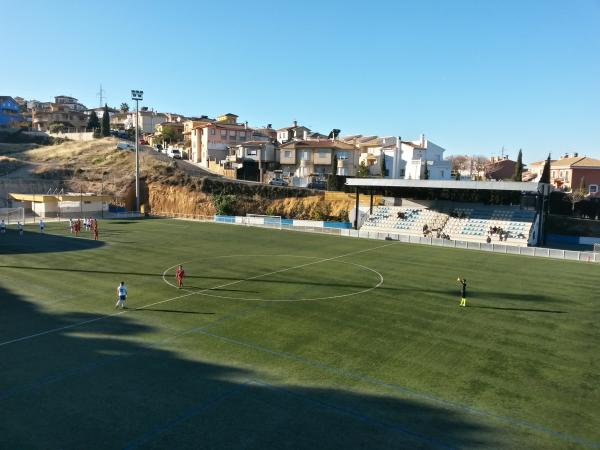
(518, 176)
(383, 167)
(93, 122)
(105, 122)
(545, 178)
(332, 179)
(363, 170)
(426, 172)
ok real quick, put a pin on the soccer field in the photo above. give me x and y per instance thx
(282, 339)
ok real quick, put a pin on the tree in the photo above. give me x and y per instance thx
(383, 167)
(93, 121)
(576, 195)
(545, 178)
(168, 134)
(518, 176)
(124, 107)
(426, 172)
(363, 170)
(105, 122)
(57, 127)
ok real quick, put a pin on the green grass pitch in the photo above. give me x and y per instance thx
(292, 340)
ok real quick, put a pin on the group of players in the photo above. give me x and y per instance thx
(89, 223)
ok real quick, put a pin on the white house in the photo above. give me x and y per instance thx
(403, 159)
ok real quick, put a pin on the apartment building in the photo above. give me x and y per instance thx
(65, 110)
(10, 111)
(403, 159)
(210, 141)
(302, 159)
(567, 172)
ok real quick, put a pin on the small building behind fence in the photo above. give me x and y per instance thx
(57, 205)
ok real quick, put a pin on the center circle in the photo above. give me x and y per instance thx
(325, 276)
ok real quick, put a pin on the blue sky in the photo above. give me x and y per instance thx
(474, 76)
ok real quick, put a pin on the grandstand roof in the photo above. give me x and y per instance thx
(443, 184)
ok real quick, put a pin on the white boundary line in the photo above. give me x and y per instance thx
(204, 291)
(107, 316)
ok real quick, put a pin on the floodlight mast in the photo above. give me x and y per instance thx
(137, 96)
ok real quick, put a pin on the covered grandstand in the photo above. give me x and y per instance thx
(479, 211)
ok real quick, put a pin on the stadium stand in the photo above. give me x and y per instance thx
(474, 223)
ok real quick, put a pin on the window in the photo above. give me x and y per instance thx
(593, 188)
(213, 131)
(232, 134)
(242, 134)
(287, 154)
(322, 154)
(343, 155)
(223, 134)
(251, 152)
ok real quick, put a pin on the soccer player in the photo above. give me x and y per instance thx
(2, 227)
(463, 291)
(95, 228)
(42, 225)
(20, 228)
(179, 274)
(121, 295)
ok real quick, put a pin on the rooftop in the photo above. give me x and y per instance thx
(443, 184)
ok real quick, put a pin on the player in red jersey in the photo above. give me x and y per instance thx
(179, 274)
(95, 229)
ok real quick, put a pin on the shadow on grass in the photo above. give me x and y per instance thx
(172, 311)
(30, 242)
(518, 309)
(85, 372)
(484, 295)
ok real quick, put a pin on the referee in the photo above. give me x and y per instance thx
(463, 291)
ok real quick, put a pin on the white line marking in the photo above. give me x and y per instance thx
(107, 316)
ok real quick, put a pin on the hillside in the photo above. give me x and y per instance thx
(166, 186)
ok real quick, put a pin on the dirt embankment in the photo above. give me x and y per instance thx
(98, 166)
(165, 199)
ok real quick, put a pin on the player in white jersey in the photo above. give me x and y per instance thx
(121, 295)
(42, 225)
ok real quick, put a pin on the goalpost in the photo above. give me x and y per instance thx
(260, 220)
(12, 215)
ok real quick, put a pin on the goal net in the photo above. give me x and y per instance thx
(12, 215)
(259, 220)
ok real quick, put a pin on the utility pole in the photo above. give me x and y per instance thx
(137, 96)
(101, 95)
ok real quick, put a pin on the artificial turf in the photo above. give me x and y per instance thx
(290, 340)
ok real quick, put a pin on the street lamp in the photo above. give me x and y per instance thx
(137, 96)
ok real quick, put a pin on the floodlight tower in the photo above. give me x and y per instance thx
(137, 96)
